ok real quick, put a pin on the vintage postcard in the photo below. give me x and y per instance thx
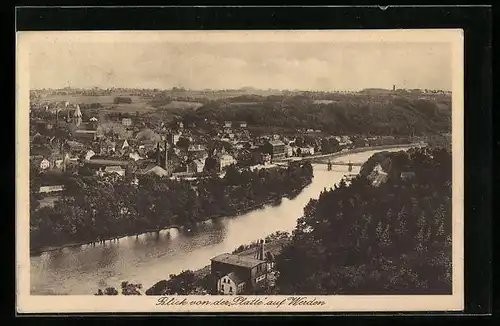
(239, 171)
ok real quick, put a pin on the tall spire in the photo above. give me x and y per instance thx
(78, 113)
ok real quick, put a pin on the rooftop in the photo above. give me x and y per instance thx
(247, 262)
(198, 161)
(113, 168)
(85, 131)
(235, 278)
(102, 161)
(158, 170)
(276, 143)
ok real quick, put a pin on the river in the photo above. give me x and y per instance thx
(150, 258)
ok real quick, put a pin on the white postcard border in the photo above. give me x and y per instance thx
(27, 303)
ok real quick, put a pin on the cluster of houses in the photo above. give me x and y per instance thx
(144, 151)
(128, 146)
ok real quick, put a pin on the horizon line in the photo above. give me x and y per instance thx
(244, 88)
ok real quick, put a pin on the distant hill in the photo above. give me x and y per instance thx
(247, 98)
(347, 114)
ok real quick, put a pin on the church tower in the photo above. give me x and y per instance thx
(77, 115)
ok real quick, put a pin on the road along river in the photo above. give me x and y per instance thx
(150, 258)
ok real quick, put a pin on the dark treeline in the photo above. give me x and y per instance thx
(184, 283)
(400, 115)
(93, 209)
(122, 99)
(363, 239)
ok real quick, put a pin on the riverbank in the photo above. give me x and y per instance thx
(276, 200)
(200, 276)
(273, 200)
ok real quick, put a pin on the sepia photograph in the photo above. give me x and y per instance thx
(239, 170)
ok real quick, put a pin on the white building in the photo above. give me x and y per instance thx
(48, 189)
(134, 156)
(115, 169)
(89, 155)
(306, 150)
(230, 284)
(127, 122)
(44, 164)
(196, 147)
(226, 160)
(197, 166)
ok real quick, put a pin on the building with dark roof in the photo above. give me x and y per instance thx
(155, 169)
(236, 274)
(100, 161)
(276, 148)
(85, 134)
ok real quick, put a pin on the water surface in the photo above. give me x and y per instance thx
(150, 258)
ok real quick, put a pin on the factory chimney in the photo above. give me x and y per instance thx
(393, 88)
(166, 156)
(261, 250)
(63, 156)
(158, 157)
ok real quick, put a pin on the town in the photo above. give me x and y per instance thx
(78, 138)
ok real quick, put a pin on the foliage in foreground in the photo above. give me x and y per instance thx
(391, 239)
(126, 289)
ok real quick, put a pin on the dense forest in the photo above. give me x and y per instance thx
(401, 115)
(93, 209)
(394, 238)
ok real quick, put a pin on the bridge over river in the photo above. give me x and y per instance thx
(330, 158)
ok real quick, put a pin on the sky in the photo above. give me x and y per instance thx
(289, 64)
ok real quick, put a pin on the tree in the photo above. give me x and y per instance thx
(181, 284)
(130, 288)
(183, 143)
(350, 242)
(111, 291)
(122, 99)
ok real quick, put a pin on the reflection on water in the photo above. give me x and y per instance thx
(151, 257)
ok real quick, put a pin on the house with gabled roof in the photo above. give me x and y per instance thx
(237, 274)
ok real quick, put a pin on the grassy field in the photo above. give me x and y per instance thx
(181, 105)
(138, 104)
